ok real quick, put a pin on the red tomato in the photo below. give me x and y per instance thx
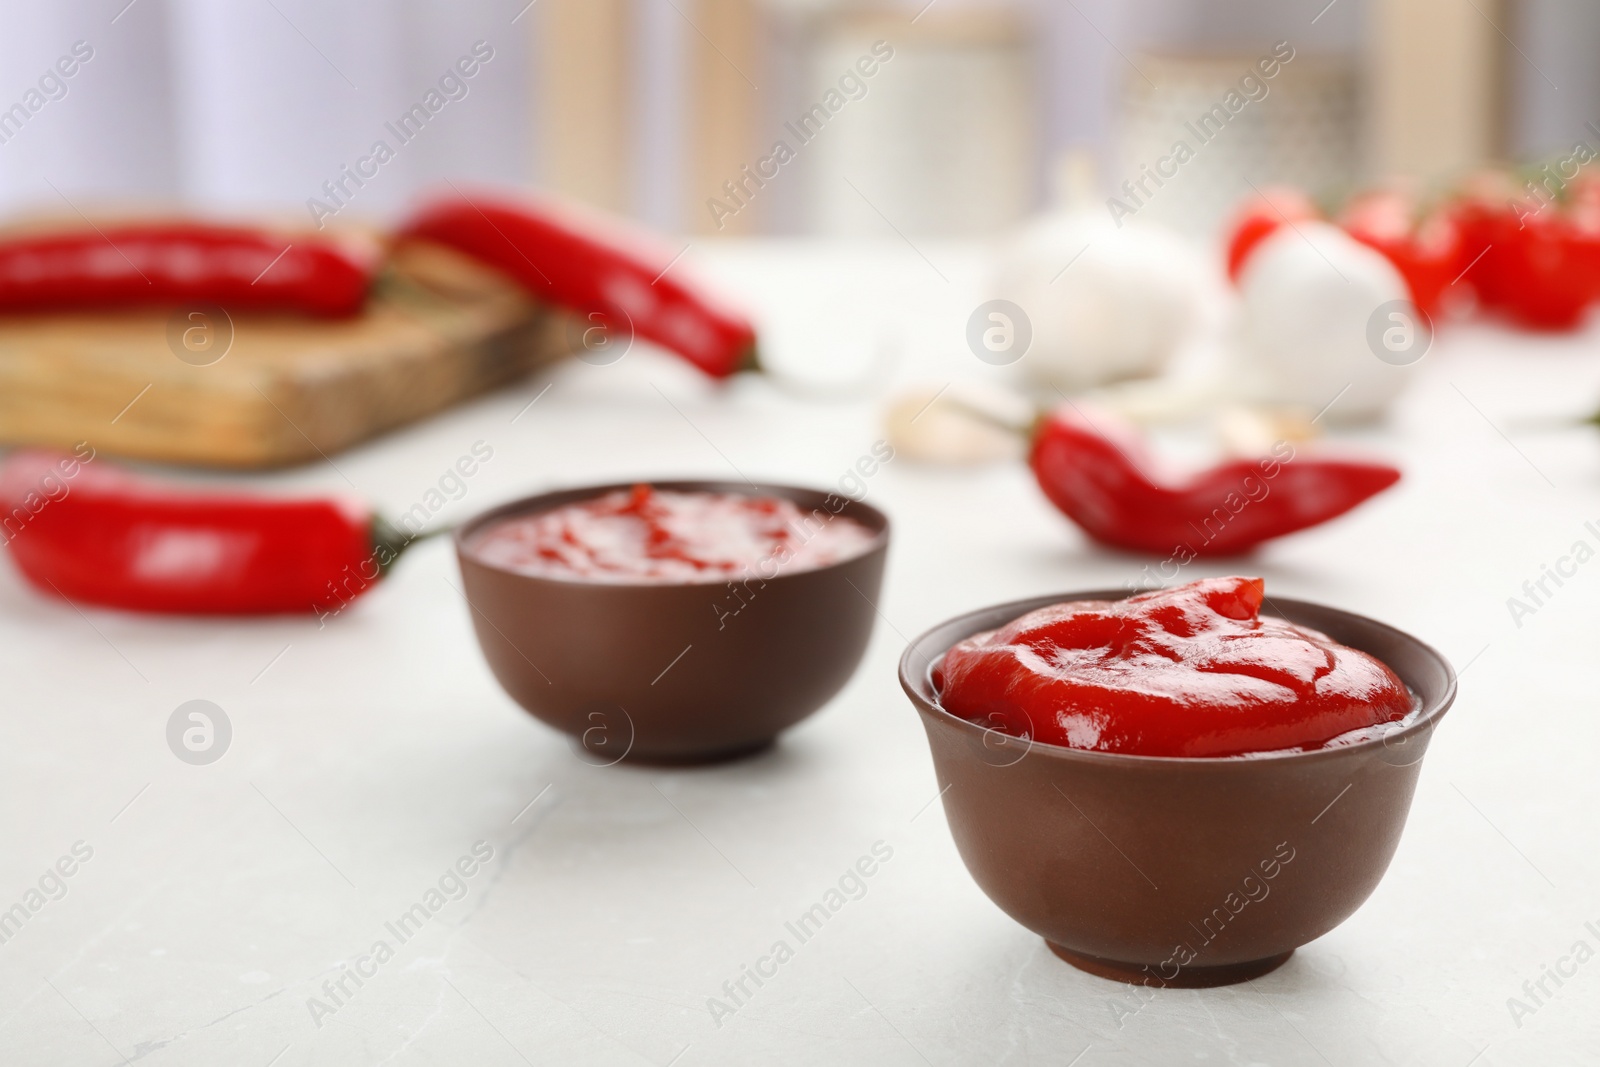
(1488, 228)
(1425, 252)
(1260, 216)
(1535, 261)
(1554, 267)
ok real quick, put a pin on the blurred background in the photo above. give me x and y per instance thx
(648, 107)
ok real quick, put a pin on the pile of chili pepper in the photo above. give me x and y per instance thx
(95, 534)
(1101, 475)
(617, 278)
(1529, 253)
(155, 264)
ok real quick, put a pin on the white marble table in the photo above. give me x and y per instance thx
(370, 755)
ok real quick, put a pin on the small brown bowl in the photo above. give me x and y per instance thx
(683, 673)
(1171, 871)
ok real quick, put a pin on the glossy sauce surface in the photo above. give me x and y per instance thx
(658, 536)
(1188, 671)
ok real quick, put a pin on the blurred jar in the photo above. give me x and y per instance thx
(943, 140)
(1301, 126)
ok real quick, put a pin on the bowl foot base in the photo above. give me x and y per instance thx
(676, 759)
(1190, 977)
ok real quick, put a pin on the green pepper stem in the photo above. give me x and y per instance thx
(389, 540)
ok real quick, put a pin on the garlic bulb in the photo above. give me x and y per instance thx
(1105, 302)
(960, 423)
(1251, 432)
(1308, 298)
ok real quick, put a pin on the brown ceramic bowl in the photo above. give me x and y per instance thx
(1172, 871)
(675, 673)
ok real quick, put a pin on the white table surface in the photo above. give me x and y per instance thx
(369, 755)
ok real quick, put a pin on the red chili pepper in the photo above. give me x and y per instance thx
(167, 263)
(1108, 484)
(1426, 251)
(1259, 218)
(98, 535)
(592, 265)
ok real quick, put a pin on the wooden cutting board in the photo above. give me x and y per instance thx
(256, 391)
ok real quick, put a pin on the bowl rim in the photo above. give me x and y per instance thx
(910, 677)
(875, 519)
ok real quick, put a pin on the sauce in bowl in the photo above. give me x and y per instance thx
(649, 536)
(1194, 670)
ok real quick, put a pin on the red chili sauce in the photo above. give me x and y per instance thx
(661, 537)
(1189, 671)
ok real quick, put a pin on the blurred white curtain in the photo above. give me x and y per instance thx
(111, 133)
(254, 104)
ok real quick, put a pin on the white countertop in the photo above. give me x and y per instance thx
(369, 755)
